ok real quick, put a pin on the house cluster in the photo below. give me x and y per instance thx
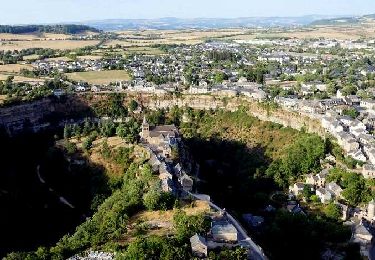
(231, 89)
(162, 142)
(362, 231)
(361, 220)
(47, 66)
(222, 234)
(353, 135)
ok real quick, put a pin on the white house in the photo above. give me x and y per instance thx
(324, 195)
(335, 189)
(297, 188)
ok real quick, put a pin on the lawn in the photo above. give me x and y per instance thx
(99, 77)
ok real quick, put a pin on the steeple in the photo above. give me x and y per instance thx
(145, 128)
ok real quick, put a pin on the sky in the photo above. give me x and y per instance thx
(55, 11)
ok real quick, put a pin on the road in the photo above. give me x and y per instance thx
(257, 252)
(61, 198)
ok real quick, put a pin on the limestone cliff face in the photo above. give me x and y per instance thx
(286, 118)
(36, 115)
(17, 117)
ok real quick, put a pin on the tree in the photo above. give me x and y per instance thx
(333, 211)
(349, 90)
(87, 144)
(151, 198)
(70, 147)
(107, 128)
(133, 105)
(67, 131)
(352, 112)
(87, 127)
(186, 226)
(307, 193)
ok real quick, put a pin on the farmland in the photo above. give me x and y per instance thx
(47, 44)
(99, 77)
(13, 68)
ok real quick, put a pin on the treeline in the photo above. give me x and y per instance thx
(58, 28)
(12, 57)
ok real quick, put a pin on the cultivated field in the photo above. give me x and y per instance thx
(31, 57)
(14, 68)
(90, 57)
(151, 37)
(48, 44)
(328, 32)
(20, 78)
(99, 77)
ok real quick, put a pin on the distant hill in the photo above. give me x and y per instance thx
(355, 20)
(59, 29)
(171, 23)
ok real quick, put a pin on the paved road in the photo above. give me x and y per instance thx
(257, 252)
(61, 198)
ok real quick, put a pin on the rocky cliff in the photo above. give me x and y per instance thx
(38, 113)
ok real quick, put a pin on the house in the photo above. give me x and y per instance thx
(294, 207)
(368, 171)
(253, 221)
(297, 188)
(223, 231)
(324, 195)
(366, 138)
(371, 210)
(352, 100)
(347, 142)
(164, 172)
(186, 182)
(334, 189)
(361, 234)
(167, 185)
(364, 238)
(357, 155)
(154, 162)
(317, 180)
(311, 179)
(198, 246)
(368, 103)
(286, 102)
(316, 85)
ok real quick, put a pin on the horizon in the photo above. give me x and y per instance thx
(20, 12)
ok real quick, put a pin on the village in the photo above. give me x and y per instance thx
(329, 81)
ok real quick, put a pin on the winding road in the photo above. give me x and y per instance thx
(61, 198)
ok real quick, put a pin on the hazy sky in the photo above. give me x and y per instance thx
(53, 11)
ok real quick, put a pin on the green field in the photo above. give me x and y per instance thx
(99, 77)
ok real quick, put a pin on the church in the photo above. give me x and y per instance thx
(161, 137)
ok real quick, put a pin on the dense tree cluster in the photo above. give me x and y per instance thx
(356, 189)
(301, 157)
(60, 29)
